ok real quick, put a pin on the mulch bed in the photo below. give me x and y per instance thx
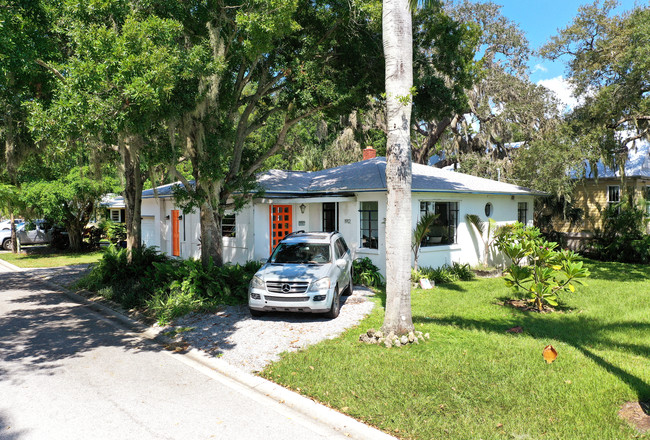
(524, 305)
(637, 414)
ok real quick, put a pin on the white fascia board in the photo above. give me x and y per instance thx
(306, 200)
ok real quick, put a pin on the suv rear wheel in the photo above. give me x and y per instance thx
(6, 245)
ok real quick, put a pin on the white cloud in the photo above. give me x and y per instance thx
(563, 91)
(539, 68)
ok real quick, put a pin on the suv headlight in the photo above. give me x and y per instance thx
(257, 283)
(322, 284)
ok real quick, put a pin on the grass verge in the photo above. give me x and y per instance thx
(474, 380)
(50, 257)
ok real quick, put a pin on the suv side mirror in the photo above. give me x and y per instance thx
(341, 263)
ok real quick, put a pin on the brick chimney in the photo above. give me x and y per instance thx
(369, 153)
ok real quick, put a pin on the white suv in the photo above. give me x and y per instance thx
(307, 272)
(32, 232)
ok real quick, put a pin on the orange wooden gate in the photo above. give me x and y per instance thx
(281, 219)
(176, 236)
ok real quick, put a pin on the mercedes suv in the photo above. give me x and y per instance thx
(307, 272)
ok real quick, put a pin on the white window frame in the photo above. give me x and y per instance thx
(370, 221)
(609, 193)
(233, 225)
(525, 211)
(457, 211)
(116, 213)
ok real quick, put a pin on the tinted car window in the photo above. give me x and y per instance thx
(343, 244)
(340, 251)
(302, 253)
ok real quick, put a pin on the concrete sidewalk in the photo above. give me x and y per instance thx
(261, 402)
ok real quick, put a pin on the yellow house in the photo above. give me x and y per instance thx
(593, 194)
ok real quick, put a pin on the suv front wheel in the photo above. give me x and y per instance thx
(336, 304)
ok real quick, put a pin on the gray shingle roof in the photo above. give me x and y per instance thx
(365, 176)
(369, 175)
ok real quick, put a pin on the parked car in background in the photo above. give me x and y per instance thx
(6, 224)
(31, 232)
(307, 272)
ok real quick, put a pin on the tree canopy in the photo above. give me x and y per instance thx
(609, 67)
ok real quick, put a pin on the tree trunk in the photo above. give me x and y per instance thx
(211, 239)
(75, 236)
(132, 193)
(398, 51)
(14, 236)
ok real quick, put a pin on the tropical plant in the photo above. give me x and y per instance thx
(484, 233)
(166, 288)
(365, 272)
(115, 232)
(537, 269)
(420, 231)
(444, 273)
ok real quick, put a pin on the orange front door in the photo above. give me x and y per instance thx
(281, 221)
(176, 236)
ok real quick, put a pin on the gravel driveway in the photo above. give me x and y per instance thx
(252, 343)
(236, 337)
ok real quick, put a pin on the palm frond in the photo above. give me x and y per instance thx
(422, 228)
(477, 222)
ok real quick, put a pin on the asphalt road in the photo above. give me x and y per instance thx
(67, 372)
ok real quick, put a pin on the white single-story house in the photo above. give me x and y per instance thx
(351, 199)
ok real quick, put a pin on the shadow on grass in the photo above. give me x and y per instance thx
(457, 287)
(504, 302)
(614, 271)
(580, 332)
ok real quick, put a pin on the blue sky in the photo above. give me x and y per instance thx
(540, 20)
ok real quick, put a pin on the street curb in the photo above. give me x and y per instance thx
(10, 266)
(347, 426)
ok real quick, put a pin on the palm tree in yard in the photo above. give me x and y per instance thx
(398, 53)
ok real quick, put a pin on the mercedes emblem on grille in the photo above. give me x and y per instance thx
(286, 288)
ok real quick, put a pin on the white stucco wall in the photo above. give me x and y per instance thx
(252, 240)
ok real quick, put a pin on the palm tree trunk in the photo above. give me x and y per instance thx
(398, 51)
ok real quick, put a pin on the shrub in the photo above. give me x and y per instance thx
(115, 232)
(168, 288)
(446, 273)
(366, 273)
(623, 235)
(537, 269)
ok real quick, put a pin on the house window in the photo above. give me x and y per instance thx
(229, 225)
(613, 196)
(369, 214)
(522, 213)
(647, 200)
(443, 229)
(488, 209)
(115, 216)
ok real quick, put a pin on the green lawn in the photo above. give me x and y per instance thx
(473, 380)
(49, 257)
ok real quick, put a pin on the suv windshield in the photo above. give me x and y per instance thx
(301, 253)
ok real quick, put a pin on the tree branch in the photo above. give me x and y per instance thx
(288, 123)
(50, 68)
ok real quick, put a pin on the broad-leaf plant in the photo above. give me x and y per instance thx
(539, 270)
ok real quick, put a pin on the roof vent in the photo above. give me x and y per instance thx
(369, 153)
